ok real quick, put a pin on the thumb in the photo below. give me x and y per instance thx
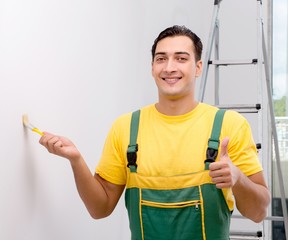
(224, 148)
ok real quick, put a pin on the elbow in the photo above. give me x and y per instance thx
(258, 210)
(99, 215)
(97, 210)
(257, 218)
(256, 215)
(262, 212)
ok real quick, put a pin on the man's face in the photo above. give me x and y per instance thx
(174, 68)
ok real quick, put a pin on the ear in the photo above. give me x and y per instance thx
(198, 68)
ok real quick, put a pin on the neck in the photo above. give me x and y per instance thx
(175, 107)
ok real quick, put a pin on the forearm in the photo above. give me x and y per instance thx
(252, 198)
(90, 190)
(99, 196)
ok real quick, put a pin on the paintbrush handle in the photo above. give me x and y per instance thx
(37, 131)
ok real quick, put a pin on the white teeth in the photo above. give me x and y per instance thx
(167, 78)
(171, 80)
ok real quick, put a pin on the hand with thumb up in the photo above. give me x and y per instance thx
(223, 172)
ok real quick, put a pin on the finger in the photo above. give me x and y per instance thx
(224, 148)
(52, 141)
(222, 181)
(223, 185)
(44, 139)
(214, 167)
(58, 144)
(49, 142)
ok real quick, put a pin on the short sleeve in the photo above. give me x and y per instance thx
(242, 148)
(112, 164)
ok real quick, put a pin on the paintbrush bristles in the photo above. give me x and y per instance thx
(26, 123)
(25, 120)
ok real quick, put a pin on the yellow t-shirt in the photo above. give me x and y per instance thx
(171, 145)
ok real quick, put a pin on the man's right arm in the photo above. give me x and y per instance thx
(99, 196)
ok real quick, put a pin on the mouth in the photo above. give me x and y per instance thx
(171, 80)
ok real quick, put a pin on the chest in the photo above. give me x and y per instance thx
(172, 149)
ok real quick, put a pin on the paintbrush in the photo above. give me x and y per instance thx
(27, 124)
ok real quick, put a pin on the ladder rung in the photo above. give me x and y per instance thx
(252, 235)
(232, 237)
(271, 218)
(242, 108)
(232, 62)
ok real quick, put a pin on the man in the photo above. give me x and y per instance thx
(171, 191)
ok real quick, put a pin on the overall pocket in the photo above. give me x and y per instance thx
(171, 214)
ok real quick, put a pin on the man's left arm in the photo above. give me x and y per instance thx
(251, 193)
(252, 196)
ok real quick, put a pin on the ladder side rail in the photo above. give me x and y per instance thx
(209, 50)
(217, 67)
(260, 76)
(275, 137)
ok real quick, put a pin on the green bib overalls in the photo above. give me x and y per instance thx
(179, 207)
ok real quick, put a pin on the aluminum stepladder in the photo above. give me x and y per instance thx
(262, 60)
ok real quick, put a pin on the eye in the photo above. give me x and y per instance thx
(182, 59)
(160, 59)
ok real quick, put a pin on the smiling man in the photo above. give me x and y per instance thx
(184, 164)
(175, 68)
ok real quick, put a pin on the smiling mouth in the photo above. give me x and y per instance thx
(171, 80)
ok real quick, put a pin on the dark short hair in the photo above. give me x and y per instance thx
(180, 31)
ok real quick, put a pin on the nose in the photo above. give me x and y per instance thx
(170, 66)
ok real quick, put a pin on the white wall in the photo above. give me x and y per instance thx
(73, 67)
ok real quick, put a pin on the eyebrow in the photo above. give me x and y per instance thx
(176, 53)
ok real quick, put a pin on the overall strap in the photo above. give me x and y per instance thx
(133, 146)
(213, 142)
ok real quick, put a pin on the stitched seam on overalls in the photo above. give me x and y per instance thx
(202, 213)
(140, 213)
